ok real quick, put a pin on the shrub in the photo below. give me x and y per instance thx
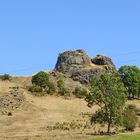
(51, 87)
(42, 83)
(62, 91)
(80, 92)
(130, 118)
(9, 113)
(61, 85)
(39, 94)
(5, 77)
(41, 79)
(35, 88)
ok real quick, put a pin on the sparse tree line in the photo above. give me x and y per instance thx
(5, 77)
(42, 84)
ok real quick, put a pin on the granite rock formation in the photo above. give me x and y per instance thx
(69, 61)
(81, 67)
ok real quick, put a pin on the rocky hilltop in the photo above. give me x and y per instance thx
(81, 67)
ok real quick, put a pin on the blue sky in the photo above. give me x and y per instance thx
(34, 32)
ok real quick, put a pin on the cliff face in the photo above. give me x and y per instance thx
(81, 67)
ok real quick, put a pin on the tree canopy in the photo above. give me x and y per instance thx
(41, 79)
(108, 92)
(131, 78)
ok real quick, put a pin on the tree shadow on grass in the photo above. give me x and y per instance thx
(101, 134)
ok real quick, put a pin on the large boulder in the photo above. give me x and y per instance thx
(70, 61)
(81, 68)
(102, 60)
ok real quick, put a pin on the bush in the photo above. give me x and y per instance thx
(80, 92)
(39, 94)
(41, 79)
(62, 91)
(130, 118)
(51, 87)
(61, 85)
(42, 83)
(35, 88)
(9, 113)
(5, 77)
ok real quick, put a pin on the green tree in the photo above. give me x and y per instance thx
(131, 79)
(41, 79)
(108, 92)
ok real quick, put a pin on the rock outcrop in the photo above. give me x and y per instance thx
(81, 67)
(102, 60)
(70, 61)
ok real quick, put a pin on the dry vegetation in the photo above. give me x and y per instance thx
(46, 118)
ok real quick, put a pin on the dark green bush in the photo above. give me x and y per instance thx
(130, 118)
(80, 92)
(42, 83)
(5, 77)
(41, 79)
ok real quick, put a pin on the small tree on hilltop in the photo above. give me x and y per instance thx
(41, 79)
(108, 92)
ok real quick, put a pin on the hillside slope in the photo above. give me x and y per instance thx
(37, 114)
(46, 118)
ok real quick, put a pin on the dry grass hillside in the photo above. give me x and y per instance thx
(37, 116)
(45, 118)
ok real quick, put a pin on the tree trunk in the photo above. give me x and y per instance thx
(129, 96)
(109, 127)
(138, 95)
(133, 95)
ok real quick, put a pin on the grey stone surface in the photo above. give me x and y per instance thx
(102, 60)
(81, 67)
(72, 60)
